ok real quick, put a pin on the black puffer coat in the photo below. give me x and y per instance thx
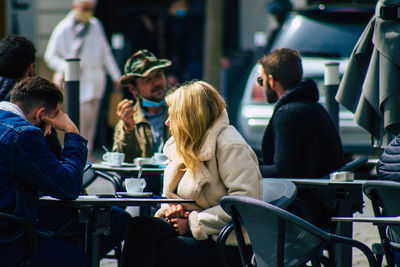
(388, 167)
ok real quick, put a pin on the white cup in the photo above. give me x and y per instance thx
(159, 158)
(342, 176)
(134, 185)
(114, 158)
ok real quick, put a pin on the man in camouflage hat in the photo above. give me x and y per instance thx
(141, 131)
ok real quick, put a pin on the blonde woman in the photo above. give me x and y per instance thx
(208, 159)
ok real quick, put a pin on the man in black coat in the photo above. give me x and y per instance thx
(300, 140)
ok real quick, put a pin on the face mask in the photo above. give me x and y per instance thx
(180, 12)
(83, 16)
(149, 103)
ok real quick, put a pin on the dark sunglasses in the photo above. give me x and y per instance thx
(260, 81)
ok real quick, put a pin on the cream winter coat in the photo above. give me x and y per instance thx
(230, 167)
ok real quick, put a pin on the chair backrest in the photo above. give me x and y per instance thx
(385, 196)
(278, 237)
(16, 227)
(278, 192)
(88, 175)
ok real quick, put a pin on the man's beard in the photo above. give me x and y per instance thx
(271, 95)
(158, 98)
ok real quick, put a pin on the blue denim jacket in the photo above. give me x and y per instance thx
(27, 167)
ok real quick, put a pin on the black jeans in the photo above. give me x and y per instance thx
(154, 242)
(49, 252)
(52, 218)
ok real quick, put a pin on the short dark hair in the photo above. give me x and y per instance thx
(16, 54)
(284, 65)
(34, 92)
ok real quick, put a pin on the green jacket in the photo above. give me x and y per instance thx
(139, 142)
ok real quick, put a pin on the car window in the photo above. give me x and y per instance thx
(322, 37)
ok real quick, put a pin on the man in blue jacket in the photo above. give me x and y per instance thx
(28, 168)
(17, 62)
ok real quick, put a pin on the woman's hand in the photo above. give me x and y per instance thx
(174, 211)
(178, 217)
(181, 225)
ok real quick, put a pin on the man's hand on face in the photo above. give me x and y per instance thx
(62, 122)
(125, 113)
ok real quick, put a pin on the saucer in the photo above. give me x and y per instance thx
(110, 164)
(134, 194)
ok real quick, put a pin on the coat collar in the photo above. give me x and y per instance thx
(207, 151)
(201, 174)
(11, 107)
(303, 91)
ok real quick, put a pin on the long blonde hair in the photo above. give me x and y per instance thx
(193, 109)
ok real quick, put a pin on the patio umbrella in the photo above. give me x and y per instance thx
(370, 87)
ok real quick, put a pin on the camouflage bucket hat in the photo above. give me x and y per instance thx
(141, 64)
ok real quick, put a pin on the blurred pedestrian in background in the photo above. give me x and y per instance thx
(279, 9)
(184, 26)
(80, 35)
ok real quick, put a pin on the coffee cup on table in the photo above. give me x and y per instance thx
(134, 185)
(342, 176)
(114, 158)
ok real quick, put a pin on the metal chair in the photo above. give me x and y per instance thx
(278, 192)
(385, 196)
(279, 238)
(90, 175)
(11, 233)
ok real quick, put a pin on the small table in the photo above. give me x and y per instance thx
(373, 220)
(95, 213)
(126, 167)
(347, 193)
(153, 172)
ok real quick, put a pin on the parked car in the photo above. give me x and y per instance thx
(321, 35)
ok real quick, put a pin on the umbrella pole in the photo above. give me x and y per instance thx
(331, 81)
(72, 89)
